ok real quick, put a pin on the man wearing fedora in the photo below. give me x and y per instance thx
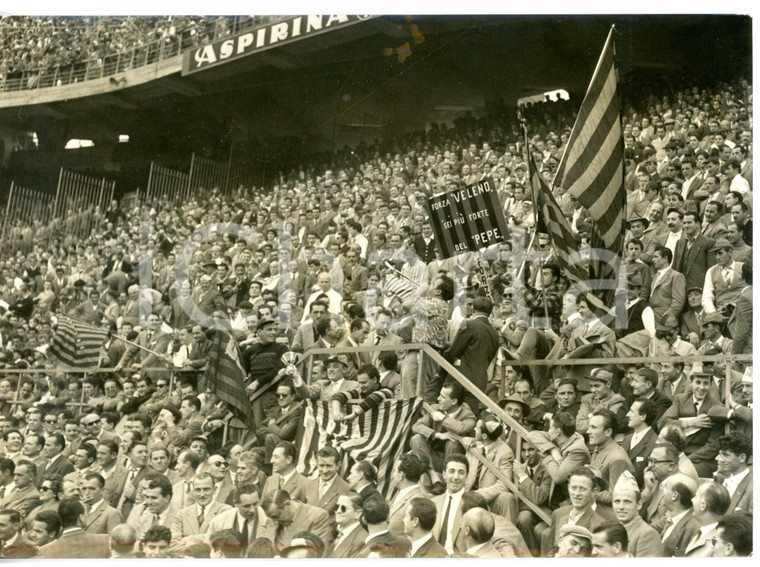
(723, 282)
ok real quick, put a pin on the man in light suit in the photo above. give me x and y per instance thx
(155, 338)
(448, 525)
(159, 510)
(196, 518)
(478, 530)
(668, 293)
(487, 442)
(284, 474)
(323, 491)
(711, 502)
(381, 335)
(306, 335)
(246, 518)
(733, 471)
(112, 471)
(100, 517)
(419, 519)
(287, 517)
(406, 478)
(24, 497)
(74, 542)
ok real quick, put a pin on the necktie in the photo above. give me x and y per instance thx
(155, 520)
(727, 274)
(377, 339)
(445, 525)
(132, 475)
(279, 483)
(245, 533)
(202, 516)
(2, 492)
(479, 470)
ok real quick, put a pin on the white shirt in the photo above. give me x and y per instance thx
(287, 477)
(374, 535)
(417, 543)
(658, 277)
(673, 521)
(404, 491)
(95, 506)
(475, 548)
(637, 437)
(345, 531)
(732, 482)
(673, 238)
(456, 500)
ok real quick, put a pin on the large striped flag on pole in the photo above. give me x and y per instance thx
(551, 220)
(77, 344)
(378, 436)
(226, 377)
(591, 169)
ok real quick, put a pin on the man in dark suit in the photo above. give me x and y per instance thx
(74, 542)
(679, 490)
(323, 491)
(283, 423)
(349, 541)
(692, 255)
(734, 472)
(207, 297)
(640, 442)
(644, 386)
(13, 544)
(690, 410)
(475, 345)
(284, 474)
(418, 521)
(57, 463)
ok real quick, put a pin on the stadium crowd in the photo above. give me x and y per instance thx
(31, 43)
(143, 460)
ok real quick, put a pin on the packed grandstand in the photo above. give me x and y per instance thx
(191, 375)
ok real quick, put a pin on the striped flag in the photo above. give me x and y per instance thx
(551, 220)
(226, 377)
(396, 286)
(591, 169)
(77, 344)
(378, 436)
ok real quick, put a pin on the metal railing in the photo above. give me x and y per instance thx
(134, 58)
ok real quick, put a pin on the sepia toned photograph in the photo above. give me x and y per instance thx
(366, 286)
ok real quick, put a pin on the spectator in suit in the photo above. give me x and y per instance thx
(196, 517)
(282, 425)
(406, 478)
(581, 484)
(100, 516)
(678, 492)
(306, 335)
(643, 539)
(284, 474)
(643, 385)
(475, 345)
(448, 526)
(351, 535)
(13, 544)
(733, 536)
(122, 542)
(711, 502)
(159, 510)
(734, 471)
(668, 293)
(56, 463)
(114, 473)
(723, 282)
(740, 322)
(450, 414)
(639, 443)
(288, 517)
(323, 491)
(25, 496)
(74, 542)
(478, 529)
(44, 528)
(418, 522)
(535, 483)
(607, 456)
(690, 410)
(610, 540)
(693, 256)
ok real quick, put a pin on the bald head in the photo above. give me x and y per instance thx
(123, 538)
(478, 525)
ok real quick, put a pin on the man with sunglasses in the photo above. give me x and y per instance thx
(283, 423)
(91, 425)
(219, 469)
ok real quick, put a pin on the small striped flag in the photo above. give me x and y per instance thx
(378, 436)
(76, 344)
(591, 169)
(226, 377)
